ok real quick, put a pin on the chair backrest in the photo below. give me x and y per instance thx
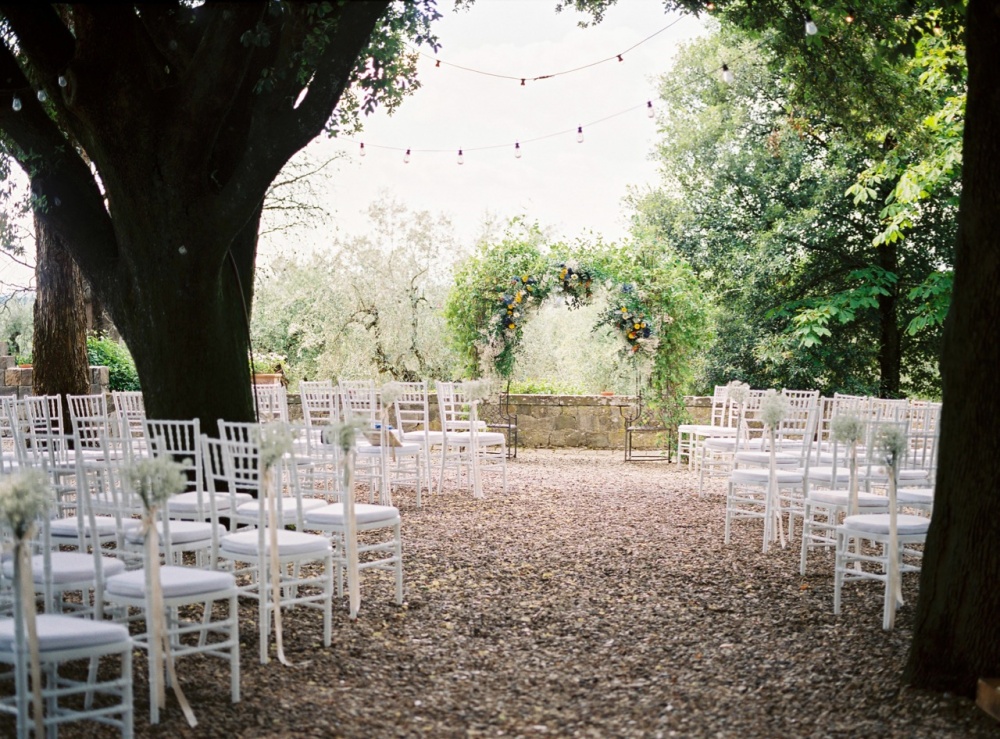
(90, 418)
(359, 400)
(320, 403)
(180, 440)
(87, 406)
(130, 410)
(924, 419)
(244, 473)
(272, 402)
(412, 406)
(43, 443)
(720, 406)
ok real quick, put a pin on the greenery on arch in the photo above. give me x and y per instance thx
(654, 304)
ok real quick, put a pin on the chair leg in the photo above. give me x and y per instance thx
(398, 550)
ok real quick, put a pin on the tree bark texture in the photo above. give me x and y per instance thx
(59, 343)
(956, 636)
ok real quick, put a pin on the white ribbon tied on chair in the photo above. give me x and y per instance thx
(26, 592)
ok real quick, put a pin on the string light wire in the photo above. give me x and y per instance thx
(517, 145)
(535, 78)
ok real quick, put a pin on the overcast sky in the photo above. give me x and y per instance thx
(569, 186)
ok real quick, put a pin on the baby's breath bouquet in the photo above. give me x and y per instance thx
(156, 479)
(24, 498)
(477, 389)
(849, 430)
(774, 407)
(345, 436)
(275, 442)
(891, 442)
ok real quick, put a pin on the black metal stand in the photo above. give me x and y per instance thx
(505, 422)
(633, 426)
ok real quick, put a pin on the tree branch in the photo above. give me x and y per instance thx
(41, 36)
(279, 129)
(61, 182)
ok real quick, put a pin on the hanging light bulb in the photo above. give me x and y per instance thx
(42, 97)
(620, 58)
(16, 103)
(811, 29)
(406, 157)
(650, 113)
(461, 157)
(62, 81)
(362, 152)
(437, 62)
(579, 134)
(710, 7)
(849, 18)
(517, 150)
(727, 75)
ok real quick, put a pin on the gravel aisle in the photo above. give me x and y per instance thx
(596, 600)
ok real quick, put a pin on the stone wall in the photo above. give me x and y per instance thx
(18, 381)
(550, 421)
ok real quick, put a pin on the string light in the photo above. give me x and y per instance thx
(461, 157)
(362, 152)
(42, 97)
(62, 81)
(616, 57)
(648, 105)
(849, 18)
(727, 75)
(811, 29)
(710, 7)
(16, 103)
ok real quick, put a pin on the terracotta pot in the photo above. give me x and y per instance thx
(608, 393)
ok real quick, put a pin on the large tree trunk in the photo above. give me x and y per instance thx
(60, 365)
(890, 334)
(955, 637)
(190, 338)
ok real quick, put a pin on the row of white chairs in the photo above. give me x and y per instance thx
(96, 516)
(808, 476)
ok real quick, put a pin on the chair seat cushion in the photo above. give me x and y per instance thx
(288, 507)
(842, 498)
(760, 476)
(188, 503)
(879, 474)
(433, 437)
(290, 543)
(177, 582)
(763, 459)
(106, 526)
(364, 513)
(483, 438)
(920, 496)
(878, 523)
(717, 444)
(402, 449)
(57, 632)
(706, 429)
(67, 567)
(181, 532)
(825, 474)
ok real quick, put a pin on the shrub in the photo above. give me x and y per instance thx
(103, 351)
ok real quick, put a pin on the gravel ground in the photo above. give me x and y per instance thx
(595, 599)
